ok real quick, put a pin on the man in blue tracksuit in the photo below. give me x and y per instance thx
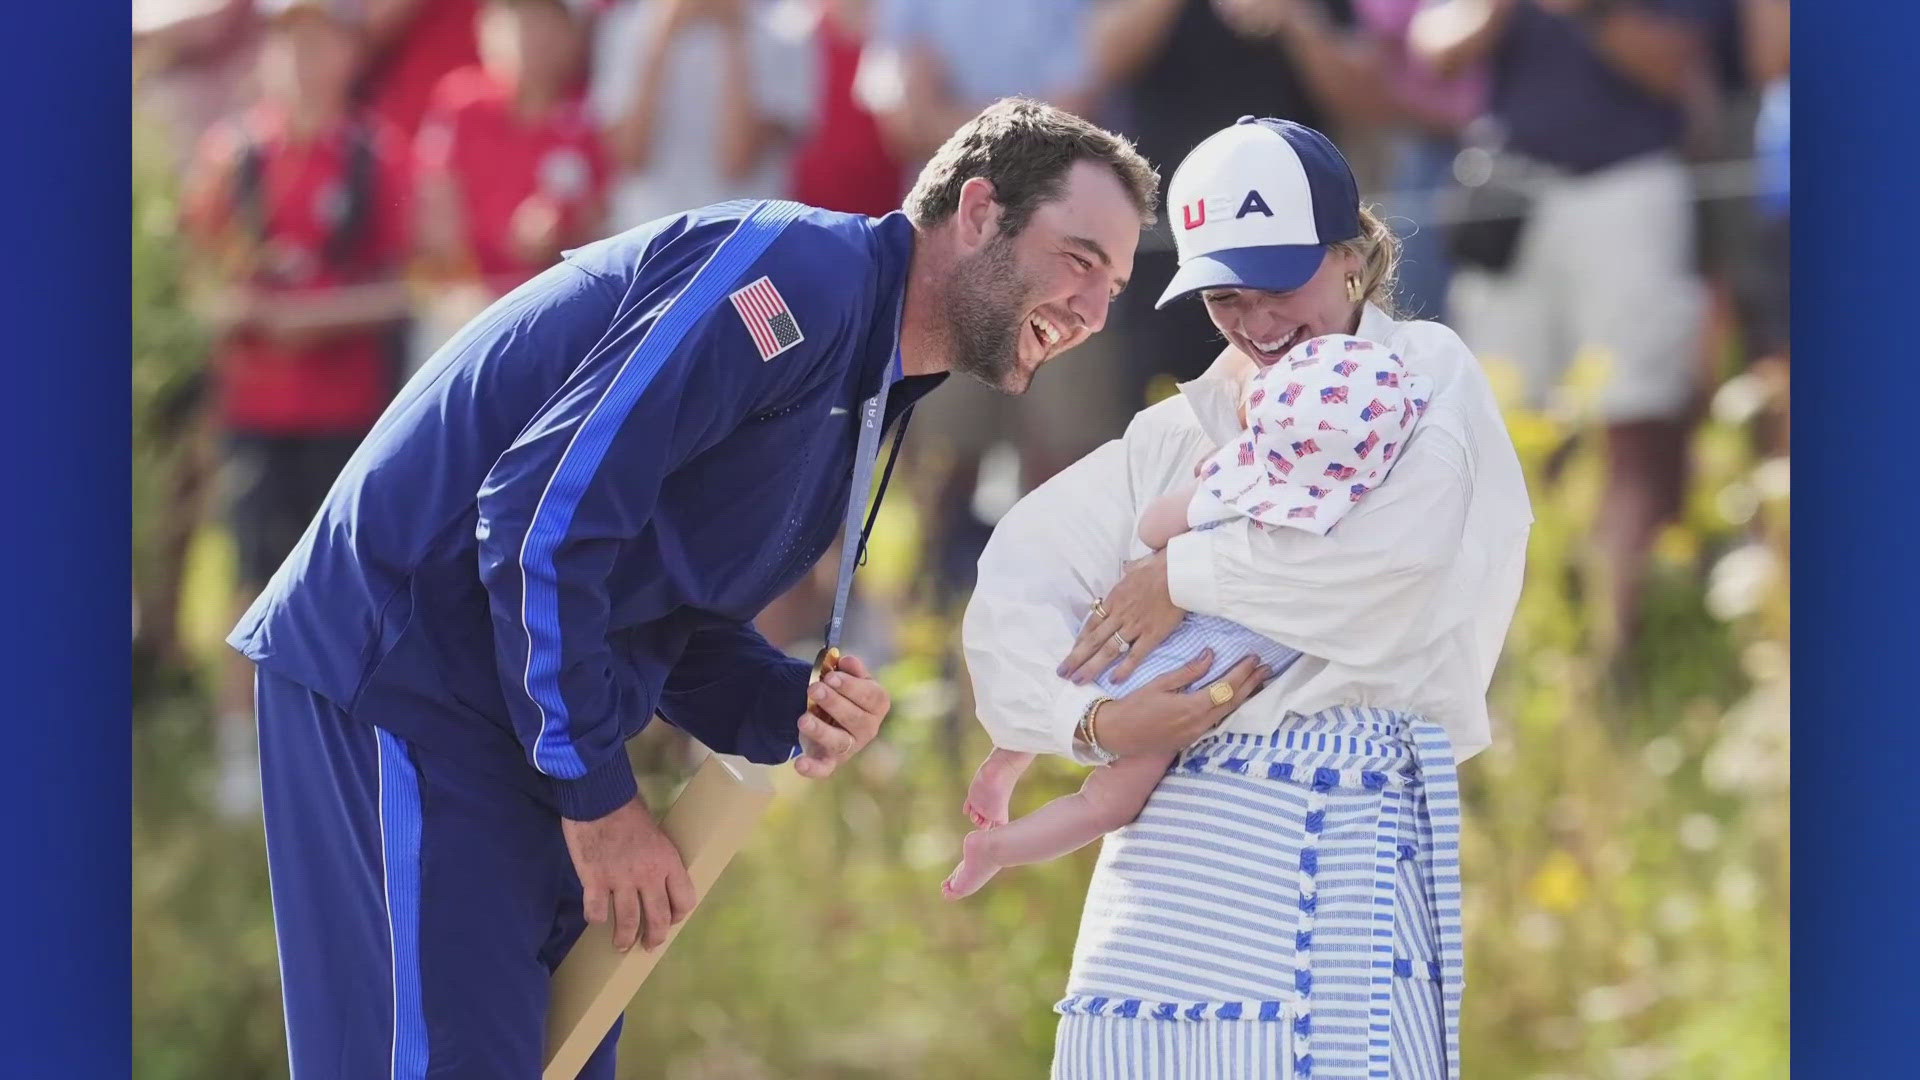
(565, 525)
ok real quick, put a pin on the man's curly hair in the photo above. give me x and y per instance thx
(1025, 148)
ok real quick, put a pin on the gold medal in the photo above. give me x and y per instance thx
(828, 661)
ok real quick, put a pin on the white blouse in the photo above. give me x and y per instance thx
(1404, 605)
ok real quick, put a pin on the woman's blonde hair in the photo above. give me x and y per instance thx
(1379, 253)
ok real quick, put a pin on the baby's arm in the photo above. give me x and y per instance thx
(1166, 516)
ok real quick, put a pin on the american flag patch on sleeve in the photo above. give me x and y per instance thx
(769, 322)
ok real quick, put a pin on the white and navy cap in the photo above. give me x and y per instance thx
(1256, 206)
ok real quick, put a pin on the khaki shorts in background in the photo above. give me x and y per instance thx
(1605, 265)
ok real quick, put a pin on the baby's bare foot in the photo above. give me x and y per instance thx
(989, 794)
(976, 868)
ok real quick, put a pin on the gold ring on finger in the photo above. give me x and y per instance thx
(1121, 643)
(1220, 693)
(1100, 609)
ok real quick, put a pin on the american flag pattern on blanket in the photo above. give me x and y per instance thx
(769, 321)
(1267, 475)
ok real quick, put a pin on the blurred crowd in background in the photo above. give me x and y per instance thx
(1593, 192)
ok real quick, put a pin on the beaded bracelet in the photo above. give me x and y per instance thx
(1083, 731)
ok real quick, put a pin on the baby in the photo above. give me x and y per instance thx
(1322, 428)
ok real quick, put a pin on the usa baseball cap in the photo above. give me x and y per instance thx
(1256, 206)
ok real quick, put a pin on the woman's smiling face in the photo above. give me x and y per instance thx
(1264, 325)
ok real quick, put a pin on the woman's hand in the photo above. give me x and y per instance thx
(1161, 718)
(1139, 611)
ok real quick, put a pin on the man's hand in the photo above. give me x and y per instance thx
(631, 872)
(856, 703)
(1139, 611)
(1162, 718)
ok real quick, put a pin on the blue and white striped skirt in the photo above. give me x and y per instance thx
(1286, 906)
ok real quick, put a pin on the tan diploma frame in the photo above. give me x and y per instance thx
(709, 823)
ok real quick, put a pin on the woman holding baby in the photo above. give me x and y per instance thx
(1269, 613)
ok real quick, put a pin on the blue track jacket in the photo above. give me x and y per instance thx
(568, 519)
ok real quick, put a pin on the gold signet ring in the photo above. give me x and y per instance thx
(1220, 693)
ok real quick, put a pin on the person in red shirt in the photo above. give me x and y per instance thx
(411, 46)
(297, 211)
(510, 169)
(844, 162)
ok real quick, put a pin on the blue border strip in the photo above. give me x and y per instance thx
(553, 749)
(65, 434)
(1855, 586)
(400, 821)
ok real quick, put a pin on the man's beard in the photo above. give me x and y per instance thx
(984, 301)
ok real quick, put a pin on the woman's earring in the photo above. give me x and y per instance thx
(1354, 292)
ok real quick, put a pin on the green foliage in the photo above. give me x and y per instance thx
(168, 345)
(206, 984)
(168, 384)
